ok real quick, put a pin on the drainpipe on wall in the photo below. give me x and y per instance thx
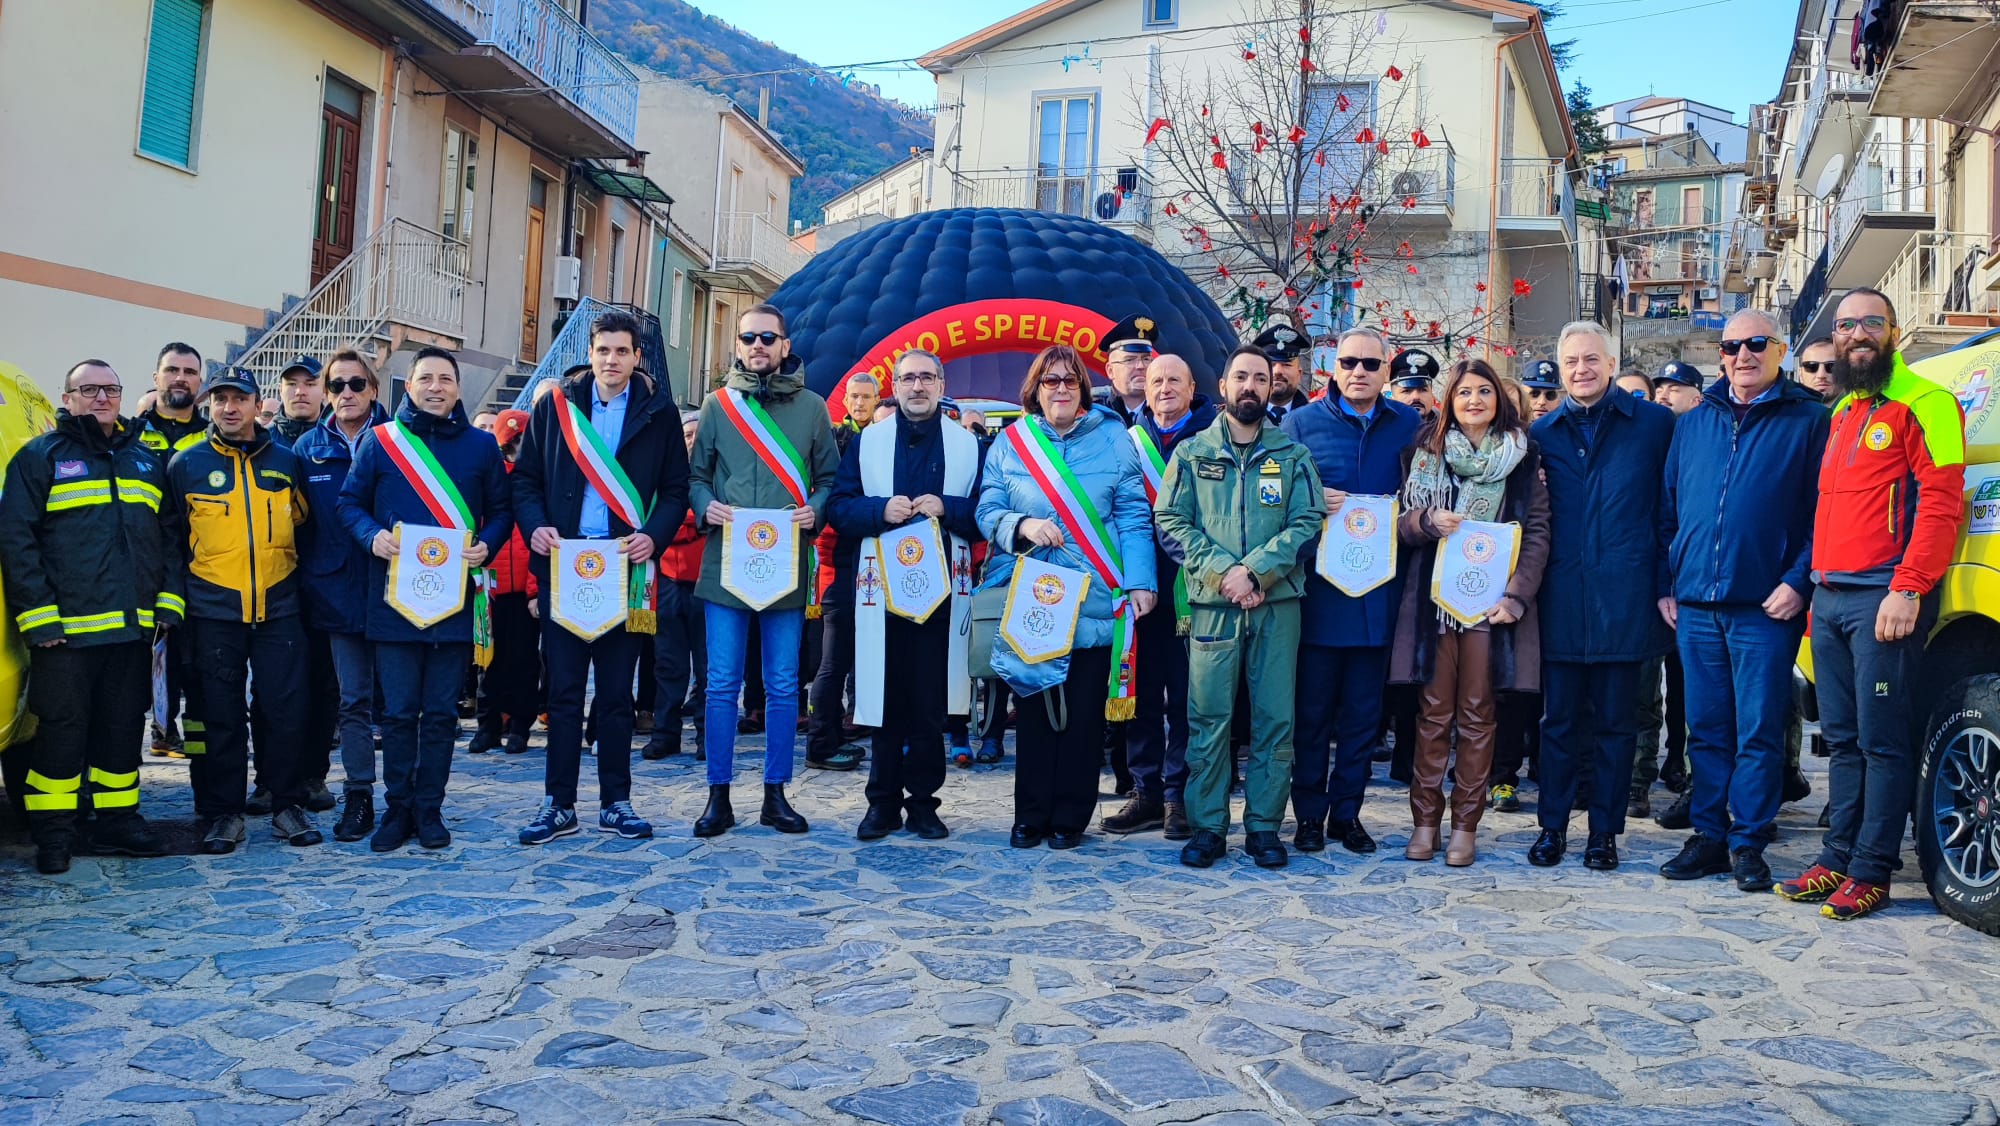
(564, 305)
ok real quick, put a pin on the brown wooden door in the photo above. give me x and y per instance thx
(531, 289)
(339, 176)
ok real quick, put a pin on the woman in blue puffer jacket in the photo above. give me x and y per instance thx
(1056, 768)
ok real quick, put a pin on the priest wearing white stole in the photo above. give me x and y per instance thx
(903, 504)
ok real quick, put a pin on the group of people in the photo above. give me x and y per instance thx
(1170, 555)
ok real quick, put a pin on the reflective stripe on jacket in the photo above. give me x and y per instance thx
(239, 509)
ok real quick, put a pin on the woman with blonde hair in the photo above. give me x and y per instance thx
(1477, 463)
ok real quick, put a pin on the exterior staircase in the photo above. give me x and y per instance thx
(572, 347)
(402, 277)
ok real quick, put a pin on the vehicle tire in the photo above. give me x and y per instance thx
(1958, 804)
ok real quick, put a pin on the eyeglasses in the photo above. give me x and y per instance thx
(765, 338)
(1814, 367)
(1756, 344)
(920, 378)
(1051, 382)
(1848, 326)
(354, 383)
(90, 391)
(1365, 363)
(1538, 394)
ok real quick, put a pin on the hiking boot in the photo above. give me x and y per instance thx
(1678, 816)
(123, 836)
(1813, 885)
(166, 742)
(1750, 870)
(1854, 899)
(990, 751)
(52, 859)
(1138, 815)
(395, 831)
(1640, 805)
(551, 821)
(1176, 828)
(1505, 798)
(431, 832)
(1699, 857)
(1673, 773)
(1204, 849)
(517, 742)
(665, 742)
(318, 798)
(847, 756)
(358, 816)
(223, 835)
(294, 825)
(485, 737)
(619, 818)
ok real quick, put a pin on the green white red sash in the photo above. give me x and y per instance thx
(1086, 529)
(602, 471)
(1153, 466)
(447, 506)
(776, 451)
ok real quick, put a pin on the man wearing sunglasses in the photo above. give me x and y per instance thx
(1356, 437)
(1815, 371)
(89, 577)
(1543, 379)
(1603, 451)
(1678, 386)
(1891, 498)
(1741, 476)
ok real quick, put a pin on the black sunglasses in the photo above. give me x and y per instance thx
(1814, 367)
(765, 338)
(1754, 343)
(1363, 362)
(353, 383)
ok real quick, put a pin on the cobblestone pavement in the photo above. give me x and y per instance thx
(769, 979)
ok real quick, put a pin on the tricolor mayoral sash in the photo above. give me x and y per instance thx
(1153, 466)
(911, 571)
(600, 467)
(427, 576)
(752, 567)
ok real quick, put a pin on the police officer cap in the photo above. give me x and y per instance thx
(1413, 366)
(1541, 375)
(1136, 333)
(234, 379)
(1676, 371)
(1282, 343)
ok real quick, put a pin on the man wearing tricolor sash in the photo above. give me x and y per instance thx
(1240, 501)
(1156, 739)
(903, 505)
(603, 471)
(419, 481)
(762, 468)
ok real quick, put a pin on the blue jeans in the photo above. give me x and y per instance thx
(1737, 662)
(420, 684)
(728, 637)
(354, 668)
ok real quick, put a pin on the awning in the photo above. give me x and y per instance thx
(626, 185)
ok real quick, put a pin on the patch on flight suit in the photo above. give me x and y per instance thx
(1270, 484)
(1211, 470)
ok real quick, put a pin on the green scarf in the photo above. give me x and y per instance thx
(1471, 482)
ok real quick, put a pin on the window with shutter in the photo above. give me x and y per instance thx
(170, 114)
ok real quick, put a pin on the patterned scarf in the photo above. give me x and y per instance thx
(1471, 482)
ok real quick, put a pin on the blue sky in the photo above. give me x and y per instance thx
(1724, 52)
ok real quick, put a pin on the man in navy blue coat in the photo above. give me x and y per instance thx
(1604, 451)
(421, 668)
(1742, 480)
(1356, 437)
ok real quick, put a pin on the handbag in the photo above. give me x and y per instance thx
(988, 605)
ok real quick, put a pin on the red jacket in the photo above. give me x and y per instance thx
(681, 561)
(1891, 486)
(510, 566)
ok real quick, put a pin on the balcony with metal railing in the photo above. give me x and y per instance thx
(1833, 123)
(1886, 198)
(1936, 286)
(1119, 197)
(1940, 60)
(543, 69)
(1408, 186)
(755, 253)
(1534, 198)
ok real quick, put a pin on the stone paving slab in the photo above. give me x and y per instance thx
(759, 978)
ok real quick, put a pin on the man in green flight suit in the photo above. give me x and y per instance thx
(1238, 503)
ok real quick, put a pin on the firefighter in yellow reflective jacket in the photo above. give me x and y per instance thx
(234, 502)
(90, 577)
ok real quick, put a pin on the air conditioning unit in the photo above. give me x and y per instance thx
(1706, 293)
(569, 278)
(1407, 184)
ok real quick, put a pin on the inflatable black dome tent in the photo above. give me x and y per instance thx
(987, 288)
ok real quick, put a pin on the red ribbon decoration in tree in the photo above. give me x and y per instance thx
(1218, 160)
(1480, 286)
(1411, 268)
(1470, 341)
(1365, 137)
(1394, 73)
(1223, 271)
(1409, 203)
(1522, 288)
(1297, 134)
(1319, 158)
(1435, 331)
(1159, 123)
(1341, 103)
(1248, 54)
(1290, 292)
(1382, 147)
(1357, 283)
(1306, 65)
(1171, 210)
(1263, 139)
(1405, 250)
(1305, 35)
(1420, 140)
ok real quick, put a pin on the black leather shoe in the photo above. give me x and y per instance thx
(1678, 816)
(123, 836)
(1797, 786)
(485, 737)
(1548, 849)
(1176, 828)
(431, 832)
(52, 859)
(1266, 850)
(1204, 849)
(718, 818)
(1750, 871)
(665, 743)
(318, 798)
(295, 827)
(1600, 851)
(395, 831)
(1699, 857)
(358, 816)
(1137, 816)
(517, 743)
(778, 813)
(927, 825)
(1311, 837)
(878, 822)
(1025, 836)
(1063, 840)
(1351, 835)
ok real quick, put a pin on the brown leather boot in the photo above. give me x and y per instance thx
(1423, 843)
(1464, 848)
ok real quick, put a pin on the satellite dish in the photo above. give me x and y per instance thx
(1829, 177)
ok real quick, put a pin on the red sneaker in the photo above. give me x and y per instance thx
(1811, 886)
(1855, 899)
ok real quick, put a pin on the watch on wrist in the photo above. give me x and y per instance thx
(1909, 594)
